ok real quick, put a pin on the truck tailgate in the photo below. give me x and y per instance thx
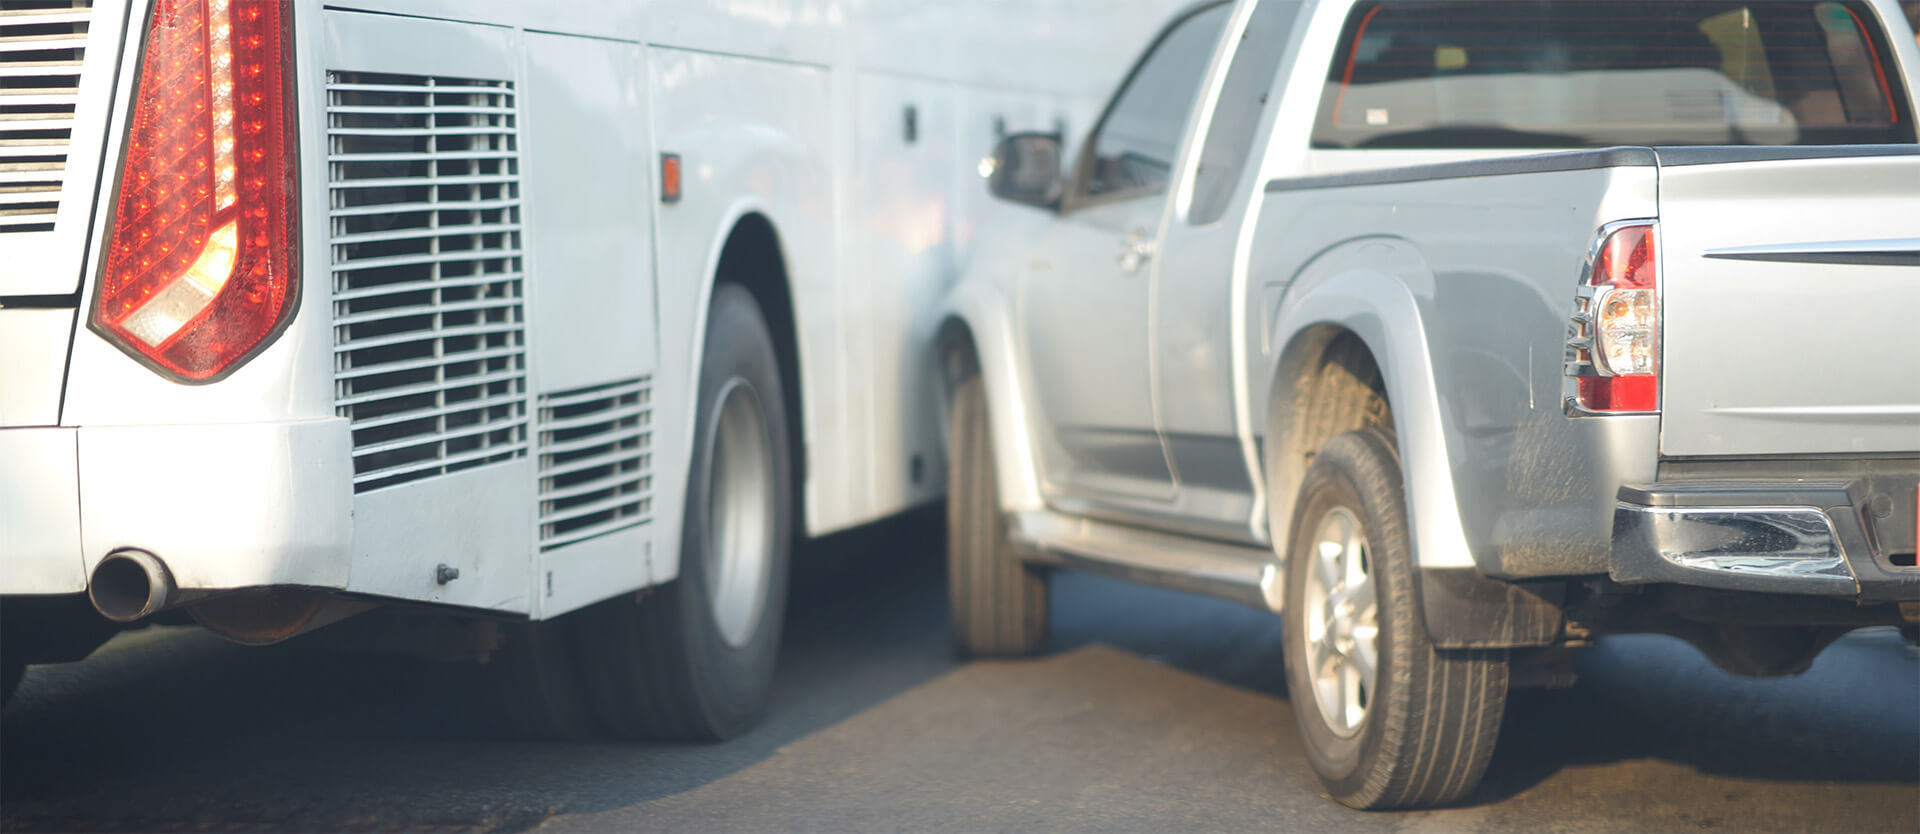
(1791, 297)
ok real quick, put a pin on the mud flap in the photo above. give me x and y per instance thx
(1464, 609)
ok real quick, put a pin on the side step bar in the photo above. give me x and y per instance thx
(1248, 575)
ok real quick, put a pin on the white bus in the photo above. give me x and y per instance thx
(508, 308)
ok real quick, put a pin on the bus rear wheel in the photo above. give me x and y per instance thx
(694, 659)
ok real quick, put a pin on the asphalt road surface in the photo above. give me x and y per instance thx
(1154, 711)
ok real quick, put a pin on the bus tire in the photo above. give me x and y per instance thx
(996, 604)
(694, 660)
(1417, 729)
(544, 682)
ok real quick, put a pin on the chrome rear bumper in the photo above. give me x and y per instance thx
(1805, 537)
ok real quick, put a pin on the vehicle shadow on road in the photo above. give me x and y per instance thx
(175, 729)
(1227, 642)
(171, 730)
(1854, 717)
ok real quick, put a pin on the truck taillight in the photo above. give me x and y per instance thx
(1616, 343)
(201, 267)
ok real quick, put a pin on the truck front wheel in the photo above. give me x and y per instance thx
(996, 606)
(1388, 721)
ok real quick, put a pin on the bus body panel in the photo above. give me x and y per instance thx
(233, 505)
(586, 165)
(40, 516)
(590, 191)
(853, 134)
(30, 388)
(753, 137)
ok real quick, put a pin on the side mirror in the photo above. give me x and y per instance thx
(1027, 169)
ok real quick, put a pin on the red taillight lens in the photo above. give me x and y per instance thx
(1622, 322)
(1620, 393)
(202, 263)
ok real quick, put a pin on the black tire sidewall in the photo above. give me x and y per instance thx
(997, 606)
(963, 463)
(1336, 479)
(546, 680)
(731, 682)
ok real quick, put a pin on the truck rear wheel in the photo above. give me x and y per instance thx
(1388, 720)
(694, 660)
(996, 605)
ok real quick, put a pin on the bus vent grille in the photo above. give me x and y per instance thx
(429, 338)
(42, 46)
(596, 461)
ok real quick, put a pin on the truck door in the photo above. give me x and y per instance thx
(1193, 287)
(1084, 300)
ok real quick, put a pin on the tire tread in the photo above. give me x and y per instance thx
(654, 668)
(997, 605)
(1438, 730)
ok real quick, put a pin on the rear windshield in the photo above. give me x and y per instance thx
(1535, 74)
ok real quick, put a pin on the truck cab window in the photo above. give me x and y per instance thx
(1593, 74)
(1132, 150)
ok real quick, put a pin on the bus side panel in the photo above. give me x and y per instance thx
(1074, 49)
(904, 256)
(443, 477)
(754, 138)
(587, 187)
(591, 330)
(919, 204)
(808, 31)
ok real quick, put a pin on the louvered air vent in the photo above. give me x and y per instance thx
(596, 461)
(42, 47)
(429, 343)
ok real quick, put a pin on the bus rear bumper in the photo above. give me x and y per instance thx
(223, 506)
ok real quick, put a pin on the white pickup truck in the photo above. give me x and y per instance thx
(1457, 334)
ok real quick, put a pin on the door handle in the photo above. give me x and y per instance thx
(1135, 251)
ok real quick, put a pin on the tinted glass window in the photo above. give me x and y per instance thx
(1590, 74)
(1134, 146)
(1243, 98)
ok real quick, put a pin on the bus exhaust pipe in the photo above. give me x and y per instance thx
(130, 584)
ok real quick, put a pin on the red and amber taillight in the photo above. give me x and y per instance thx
(1617, 341)
(201, 267)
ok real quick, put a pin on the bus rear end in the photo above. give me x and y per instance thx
(166, 428)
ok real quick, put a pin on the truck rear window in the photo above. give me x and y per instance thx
(1413, 74)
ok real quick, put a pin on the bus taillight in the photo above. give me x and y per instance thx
(201, 264)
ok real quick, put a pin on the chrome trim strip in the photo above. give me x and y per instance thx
(1683, 155)
(1893, 252)
(1538, 163)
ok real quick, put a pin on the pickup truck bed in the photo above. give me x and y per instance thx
(1794, 352)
